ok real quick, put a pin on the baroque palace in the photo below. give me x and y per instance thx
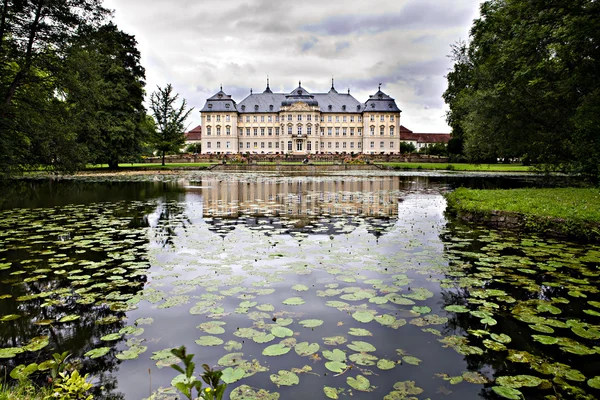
(300, 122)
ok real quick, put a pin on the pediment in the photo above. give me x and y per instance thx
(299, 106)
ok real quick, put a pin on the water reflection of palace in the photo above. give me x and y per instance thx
(373, 196)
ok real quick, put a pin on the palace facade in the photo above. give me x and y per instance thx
(300, 122)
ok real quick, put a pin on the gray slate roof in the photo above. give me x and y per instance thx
(331, 102)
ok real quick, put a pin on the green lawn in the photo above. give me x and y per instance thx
(575, 204)
(461, 167)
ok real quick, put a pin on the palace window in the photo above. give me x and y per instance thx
(372, 130)
(372, 118)
(351, 145)
(240, 131)
(329, 145)
(227, 144)
(247, 118)
(382, 118)
(337, 118)
(391, 145)
(344, 118)
(270, 131)
(208, 145)
(351, 131)
(391, 118)
(299, 117)
(329, 130)
(322, 118)
(270, 145)
(289, 145)
(276, 145)
(382, 130)
(289, 129)
(352, 118)
(329, 118)
(359, 145)
(391, 131)
(276, 131)
(227, 118)
(337, 131)
(262, 131)
(228, 130)
(337, 145)
(277, 118)
(344, 145)
(218, 145)
(322, 131)
(208, 131)
(359, 131)
(270, 118)
(218, 130)
(218, 118)
(309, 130)
(372, 145)
(255, 145)
(241, 145)
(289, 117)
(255, 118)
(262, 145)
(382, 144)
(344, 131)
(309, 145)
(322, 145)
(262, 118)
(299, 129)
(255, 131)
(247, 145)
(247, 131)
(208, 118)
(309, 117)
(359, 118)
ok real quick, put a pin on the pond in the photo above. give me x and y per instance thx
(296, 286)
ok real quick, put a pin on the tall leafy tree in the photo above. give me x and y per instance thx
(104, 86)
(34, 38)
(169, 132)
(528, 82)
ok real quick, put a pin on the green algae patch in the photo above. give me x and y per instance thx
(558, 212)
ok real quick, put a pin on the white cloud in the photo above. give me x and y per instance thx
(197, 46)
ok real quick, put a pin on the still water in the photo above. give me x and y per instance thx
(354, 285)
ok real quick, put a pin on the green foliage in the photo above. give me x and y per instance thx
(527, 85)
(188, 382)
(193, 148)
(71, 386)
(168, 134)
(407, 147)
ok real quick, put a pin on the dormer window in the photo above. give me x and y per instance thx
(330, 107)
(256, 107)
(271, 107)
(220, 96)
(344, 107)
(299, 92)
(243, 108)
(358, 107)
(372, 105)
(390, 105)
(209, 105)
(226, 105)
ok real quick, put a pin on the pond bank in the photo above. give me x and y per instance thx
(558, 212)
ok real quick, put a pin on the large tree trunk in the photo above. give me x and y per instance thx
(163, 158)
(113, 164)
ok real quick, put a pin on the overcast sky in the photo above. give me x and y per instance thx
(403, 44)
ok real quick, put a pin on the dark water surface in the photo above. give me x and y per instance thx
(230, 265)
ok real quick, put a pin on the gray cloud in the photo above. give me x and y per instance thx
(415, 15)
(308, 44)
(339, 46)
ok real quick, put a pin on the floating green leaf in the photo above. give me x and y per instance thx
(111, 336)
(411, 360)
(99, 352)
(311, 323)
(363, 316)
(304, 349)
(456, 308)
(334, 355)
(507, 392)
(331, 393)
(294, 301)
(209, 341)
(285, 378)
(361, 347)
(276, 350)
(231, 375)
(384, 364)
(245, 392)
(281, 331)
(594, 382)
(359, 383)
(69, 318)
(336, 366)
(359, 332)
(518, 381)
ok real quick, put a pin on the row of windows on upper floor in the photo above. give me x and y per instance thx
(300, 131)
(271, 145)
(299, 117)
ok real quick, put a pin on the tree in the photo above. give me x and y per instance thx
(527, 84)
(105, 90)
(169, 132)
(407, 147)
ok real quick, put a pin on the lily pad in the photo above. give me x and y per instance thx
(111, 336)
(96, 353)
(231, 375)
(276, 350)
(507, 392)
(336, 366)
(359, 332)
(294, 301)
(384, 364)
(245, 392)
(363, 316)
(281, 331)
(334, 355)
(411, 360)
(311, 323)
(209, 341)
(361, 347)
(518, 381)
(359, 383)
(331, 393)
(594, 382)
(304, 349)
(69, 318)
(285, 378)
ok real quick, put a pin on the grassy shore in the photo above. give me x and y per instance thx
(461, 167)
(571, 212)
